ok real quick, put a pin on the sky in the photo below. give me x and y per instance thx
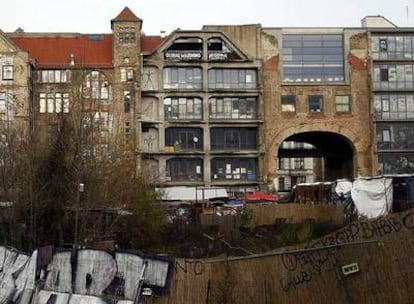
(93, 16)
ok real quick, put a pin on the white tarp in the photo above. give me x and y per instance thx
(343, 187)
(191, 193)
(372, 197)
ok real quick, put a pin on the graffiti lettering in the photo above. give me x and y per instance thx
(92, 272)
(312, 263)
(293, 283)
(195, 267)
(408, 221)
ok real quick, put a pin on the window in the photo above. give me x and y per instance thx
(298, 163)
(313, 58)
(396, 163)
(53, 76)
(185, 169)
(126, 35)
(398, 136)
(315, 103)
(183, 108)
(182, 78)
(127, 74)
(393, 46)
(232, 79)
(233, 108)
(393, 76)
(384, 74)
(181, 139)
(127, 131)
(233, 138)
(234, 169)
(383, 45)
(96, 86)
(187, 48)
(342, 104)
(393, 106)
(288, 103)
(7, 72)
(54, 102)
(127, 101)
(3, 103)
(218, 50)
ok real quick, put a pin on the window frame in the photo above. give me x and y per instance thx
(7, 72)
(187, 78)
(345, 104)
(245, 168)
(190, 169)
(311, 100)
(179, 108)
(287, 101)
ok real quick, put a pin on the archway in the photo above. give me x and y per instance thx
(315, 156)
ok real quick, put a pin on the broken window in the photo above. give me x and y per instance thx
(218, 50)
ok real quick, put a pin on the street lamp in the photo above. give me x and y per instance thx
(81, 188)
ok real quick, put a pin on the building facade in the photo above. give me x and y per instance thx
(220, 106)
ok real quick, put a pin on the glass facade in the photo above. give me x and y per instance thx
(393, 76)
(183, 108)
(182, 78)
(394, 106)
(313, 58)
(386, 47)
(234, 168)
(184, 138)
(185, 169)
(233, 138)
(233, 108)
(232, 79)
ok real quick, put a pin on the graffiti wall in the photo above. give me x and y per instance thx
(51, 275)
(380, 254)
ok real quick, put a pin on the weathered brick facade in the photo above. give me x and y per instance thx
(172, 121)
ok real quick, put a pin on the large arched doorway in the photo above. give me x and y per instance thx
(314, 156)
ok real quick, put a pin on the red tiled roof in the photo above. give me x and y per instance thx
(126, 15)
(150, 43)
(55, 51)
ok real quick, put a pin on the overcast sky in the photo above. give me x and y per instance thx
(93, 16)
